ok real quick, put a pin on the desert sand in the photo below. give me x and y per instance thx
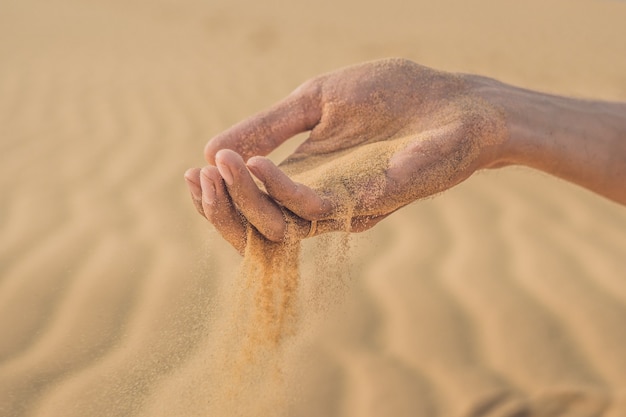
(505, 296)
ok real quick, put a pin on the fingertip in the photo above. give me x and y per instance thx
(255, 160)
(208, 186)
(259, 165)
(211, 172)
(227, 156)
(226, 173)
(205, 172)
(210, 151)
(260, 162)
(193, 182)
(218, 182)
(230, 164)
(191, 174)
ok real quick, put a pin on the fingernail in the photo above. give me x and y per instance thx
(194, 188)
(208, 189)
(256, 171)
(225, 173)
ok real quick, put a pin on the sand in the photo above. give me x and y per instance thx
(505, 296)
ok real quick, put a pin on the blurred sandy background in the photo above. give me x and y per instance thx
(504, 297)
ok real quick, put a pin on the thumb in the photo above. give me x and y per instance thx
(432, 162)
(265, 131)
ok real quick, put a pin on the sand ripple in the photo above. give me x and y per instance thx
(503, 297)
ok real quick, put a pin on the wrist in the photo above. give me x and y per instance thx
(521, 136)
(581, 141)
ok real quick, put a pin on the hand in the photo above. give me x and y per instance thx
(382, 135)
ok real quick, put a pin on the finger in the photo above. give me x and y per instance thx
(257, 207)
(297, 197)
(219, 210)
(262, 133)
(192, 177)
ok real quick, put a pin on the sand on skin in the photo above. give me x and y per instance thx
(502, 295)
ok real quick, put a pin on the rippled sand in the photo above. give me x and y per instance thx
(504, 297)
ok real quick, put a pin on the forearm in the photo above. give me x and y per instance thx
(581, 141)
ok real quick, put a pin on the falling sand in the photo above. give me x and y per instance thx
(266, 305)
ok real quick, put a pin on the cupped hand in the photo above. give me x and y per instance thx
(382, 135)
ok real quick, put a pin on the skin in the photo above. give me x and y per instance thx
(433, 130)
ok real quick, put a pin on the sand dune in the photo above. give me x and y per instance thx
(503, 297)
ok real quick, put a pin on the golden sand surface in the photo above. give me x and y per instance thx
(505, 296)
